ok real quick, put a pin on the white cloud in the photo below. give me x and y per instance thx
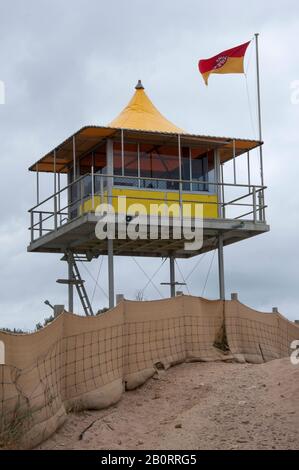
(64, 68)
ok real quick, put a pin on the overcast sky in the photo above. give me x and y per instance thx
(74, 63)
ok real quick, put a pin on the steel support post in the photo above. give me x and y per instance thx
(172, 276)
(221, 267)
(70, 288)
(217, 166)
(111, 273)
(109, 156)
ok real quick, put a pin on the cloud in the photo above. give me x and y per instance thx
(67, 67)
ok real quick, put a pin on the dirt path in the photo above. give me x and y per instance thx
(196, 406)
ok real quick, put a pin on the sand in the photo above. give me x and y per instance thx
(196, 406)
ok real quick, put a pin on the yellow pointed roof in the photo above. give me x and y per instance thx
(141, 114)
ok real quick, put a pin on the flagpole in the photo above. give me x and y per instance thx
(259, 105)
(261, 193)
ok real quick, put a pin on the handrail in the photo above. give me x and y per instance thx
(251, 212)
(173, 180)
(254, 191)
(56, 193)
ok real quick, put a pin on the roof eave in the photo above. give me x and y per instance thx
(205, 138)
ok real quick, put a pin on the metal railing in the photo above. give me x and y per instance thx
(234, 201)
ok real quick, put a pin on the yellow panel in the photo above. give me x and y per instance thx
(139, 196)
(87, 205)
(146, 198)
(209, 202)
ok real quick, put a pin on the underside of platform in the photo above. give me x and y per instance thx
(79, 236)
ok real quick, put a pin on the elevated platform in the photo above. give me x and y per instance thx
(142, 165)
(79, 236)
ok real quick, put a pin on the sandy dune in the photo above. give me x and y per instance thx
(196, 406)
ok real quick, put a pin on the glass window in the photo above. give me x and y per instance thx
(159, 167)
(96, 158)
(185, 156)
(199, 173)
(130, 164)
(161, 164)
(202, 166)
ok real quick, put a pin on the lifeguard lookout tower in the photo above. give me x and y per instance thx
(143, 156)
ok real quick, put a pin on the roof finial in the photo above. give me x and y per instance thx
(139, 86)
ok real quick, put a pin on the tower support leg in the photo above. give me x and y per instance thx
(172, 276)
(70, 288)
(110, 273)
(221, 268)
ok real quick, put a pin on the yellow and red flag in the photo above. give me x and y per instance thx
(229, 61)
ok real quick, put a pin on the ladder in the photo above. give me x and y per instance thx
(79, 283)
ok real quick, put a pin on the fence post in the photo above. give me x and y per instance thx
(2, 353)
(119, 298)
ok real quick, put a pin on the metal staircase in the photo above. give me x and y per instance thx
(79, 282)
